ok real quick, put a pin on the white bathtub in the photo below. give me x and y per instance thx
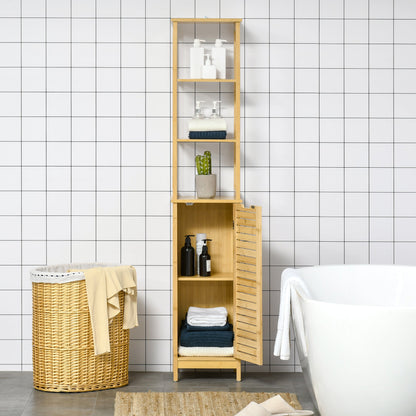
(360, 332)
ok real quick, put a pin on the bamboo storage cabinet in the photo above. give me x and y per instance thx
(236, 275)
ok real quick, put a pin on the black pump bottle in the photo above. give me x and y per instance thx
(188, 258)
(205, 260)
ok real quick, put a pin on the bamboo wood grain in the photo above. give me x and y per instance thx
(246, 296)
(249, 245)
(246, 289)
(246, 334)
(248, 318)
(249, 277)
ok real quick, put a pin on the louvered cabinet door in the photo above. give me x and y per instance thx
(248, 314)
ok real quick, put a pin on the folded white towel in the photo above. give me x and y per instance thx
(254, 409)
(292, 287)
(207, 316)
(207, 124)
(206, 351)
(277, 404)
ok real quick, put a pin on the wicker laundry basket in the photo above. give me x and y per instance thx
(63, 346)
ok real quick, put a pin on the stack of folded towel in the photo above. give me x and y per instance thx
(208, 128)
(206, 332)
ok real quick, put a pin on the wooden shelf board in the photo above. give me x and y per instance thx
(215, 277)
(205, 80)
(206, 140)
(213, 358)
(205, 20)
(218, 200)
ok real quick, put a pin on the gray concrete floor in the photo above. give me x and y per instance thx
(18, 398)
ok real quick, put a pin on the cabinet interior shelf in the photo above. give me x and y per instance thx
(215, 277)
(206, 140)
(205, 80)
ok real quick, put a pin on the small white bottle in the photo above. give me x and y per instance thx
(196, 59)
(208, 70)
(219, 58)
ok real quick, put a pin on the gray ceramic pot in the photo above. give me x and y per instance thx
(206, 186)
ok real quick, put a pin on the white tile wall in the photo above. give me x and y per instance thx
(328, 144)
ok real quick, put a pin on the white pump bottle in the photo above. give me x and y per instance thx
(196, 59)
(219, 58)
(198, 113)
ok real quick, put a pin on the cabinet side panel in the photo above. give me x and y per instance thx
(175, 321)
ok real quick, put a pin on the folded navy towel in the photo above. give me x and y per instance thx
(206, 338)
(220, 134)
(226, 327)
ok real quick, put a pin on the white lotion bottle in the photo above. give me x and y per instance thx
(219, 58)
(208, 70)
(196, 59)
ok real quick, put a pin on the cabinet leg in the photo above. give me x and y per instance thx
(238, 372)
(175, 371)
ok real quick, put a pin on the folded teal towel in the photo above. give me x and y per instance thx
(221, 134)
(206, 338)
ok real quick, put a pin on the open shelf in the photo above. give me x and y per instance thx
(215, 277)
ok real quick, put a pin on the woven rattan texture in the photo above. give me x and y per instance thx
(63, 346)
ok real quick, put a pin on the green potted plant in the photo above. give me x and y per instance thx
(205, 181)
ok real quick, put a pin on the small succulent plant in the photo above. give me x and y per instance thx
(203, 163)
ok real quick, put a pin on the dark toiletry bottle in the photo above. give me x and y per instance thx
(188, 258)
(205, 261)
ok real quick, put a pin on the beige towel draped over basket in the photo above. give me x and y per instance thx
(63, 346)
